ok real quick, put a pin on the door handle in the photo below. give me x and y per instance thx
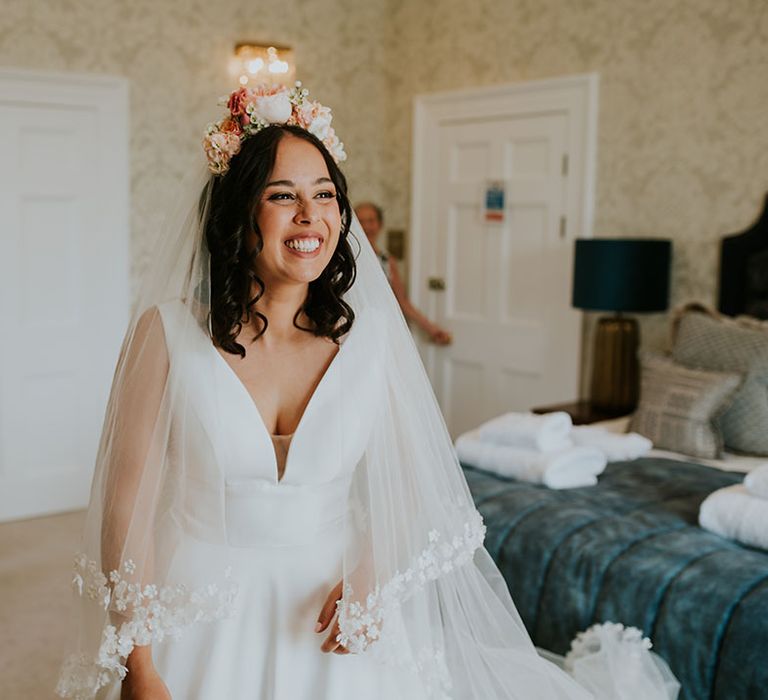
(436, 284)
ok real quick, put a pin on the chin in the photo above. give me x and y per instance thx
(307, 276)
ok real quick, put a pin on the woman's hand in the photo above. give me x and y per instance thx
(327, 614)
(145, 686)
(143, 682)
(439, 335)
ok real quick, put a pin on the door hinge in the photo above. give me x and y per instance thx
(562, 227)
(565, 164)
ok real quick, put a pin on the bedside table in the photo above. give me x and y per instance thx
(581, 412)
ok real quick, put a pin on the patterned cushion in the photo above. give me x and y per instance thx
(679, 406)
(710, 342)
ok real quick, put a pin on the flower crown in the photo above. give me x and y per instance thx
(251, 110)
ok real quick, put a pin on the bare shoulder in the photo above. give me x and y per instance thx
(149, 325)
(147, 341)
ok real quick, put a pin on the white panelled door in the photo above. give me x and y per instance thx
(64, 291)
(505, 285)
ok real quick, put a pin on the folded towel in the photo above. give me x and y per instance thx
(617, 446)
(757, 481)
(558, 469)
(733, 512)
(546, 432)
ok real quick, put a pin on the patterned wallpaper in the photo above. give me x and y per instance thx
(683, 117)
(683, 142)
(175, 54)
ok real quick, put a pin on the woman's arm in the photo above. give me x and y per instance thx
(143, 682)
(135, 470)
(436, 333)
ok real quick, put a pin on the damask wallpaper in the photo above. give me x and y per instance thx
(682, 140)
(683, 115)
(175, 54)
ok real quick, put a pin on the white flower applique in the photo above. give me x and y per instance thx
(150, 613)
(360, 625)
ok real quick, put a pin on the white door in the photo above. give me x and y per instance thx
(64, 292)
(506, 285)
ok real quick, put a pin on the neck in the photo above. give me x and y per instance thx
(280, 304)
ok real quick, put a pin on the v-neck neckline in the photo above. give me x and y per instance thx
(260, 418)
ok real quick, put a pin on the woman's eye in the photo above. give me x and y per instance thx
(281, 195)
(326, 195)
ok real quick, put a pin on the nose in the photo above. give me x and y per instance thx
(307, 213)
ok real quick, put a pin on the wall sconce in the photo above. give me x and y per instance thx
(254, 64)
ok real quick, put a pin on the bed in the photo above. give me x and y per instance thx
(629, 550)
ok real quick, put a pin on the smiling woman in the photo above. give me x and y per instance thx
(282, 187)
(218, 563)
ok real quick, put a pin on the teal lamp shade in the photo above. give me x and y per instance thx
(619, 275)
(622, 274)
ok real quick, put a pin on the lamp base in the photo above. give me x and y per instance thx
(615, 371)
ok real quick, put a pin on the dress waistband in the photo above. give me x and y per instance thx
(258, 513)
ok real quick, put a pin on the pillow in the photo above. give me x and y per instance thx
(679, 406)
(709, 341)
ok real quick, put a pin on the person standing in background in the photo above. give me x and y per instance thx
(371, 219)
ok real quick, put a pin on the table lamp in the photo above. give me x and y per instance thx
(619, 275)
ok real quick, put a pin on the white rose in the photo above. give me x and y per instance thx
(274, 109)
(320, 125)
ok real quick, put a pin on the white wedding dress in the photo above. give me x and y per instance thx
(288, 534)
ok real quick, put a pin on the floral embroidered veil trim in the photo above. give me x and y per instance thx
(149, 613)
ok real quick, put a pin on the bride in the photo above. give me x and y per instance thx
(277, 511)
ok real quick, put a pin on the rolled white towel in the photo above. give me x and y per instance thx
(546, 432)
(560, 469)
(617, 446)
(757, 481)
(734, 513)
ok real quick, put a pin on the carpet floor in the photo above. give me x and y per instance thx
(35, 602)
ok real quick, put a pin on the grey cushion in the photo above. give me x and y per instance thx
(679, 406)
(728, 345)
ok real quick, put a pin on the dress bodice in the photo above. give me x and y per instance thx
(229, 458)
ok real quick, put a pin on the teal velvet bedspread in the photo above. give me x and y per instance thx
(629, 550)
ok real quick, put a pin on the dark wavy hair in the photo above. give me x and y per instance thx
(230, 218)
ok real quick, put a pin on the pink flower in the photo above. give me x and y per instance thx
(304, 115)
(219, 149)
(264, 90)
(230, 125)
(238, 101)
(334, 146)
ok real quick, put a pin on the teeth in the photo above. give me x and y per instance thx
(305, 245)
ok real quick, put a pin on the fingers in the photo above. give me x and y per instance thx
(330, 643)
(327, 614)
(329, 608)
(440, 336)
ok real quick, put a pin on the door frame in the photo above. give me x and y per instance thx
(576, 94)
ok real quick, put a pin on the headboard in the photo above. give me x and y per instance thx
(744, 270)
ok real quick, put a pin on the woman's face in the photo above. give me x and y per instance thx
(298, 216)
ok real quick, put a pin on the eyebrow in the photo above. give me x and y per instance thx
(290, 183)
